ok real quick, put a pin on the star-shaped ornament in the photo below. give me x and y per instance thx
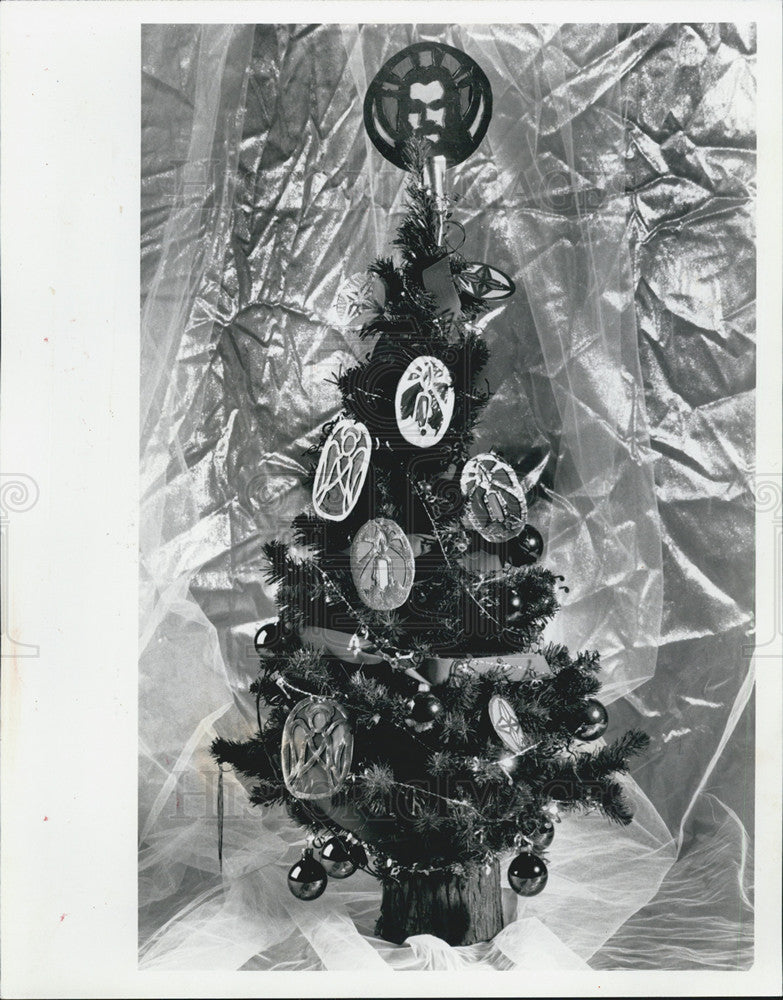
(481, 281)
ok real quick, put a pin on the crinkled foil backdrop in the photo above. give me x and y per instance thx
(616, 186)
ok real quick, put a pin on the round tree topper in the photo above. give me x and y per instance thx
(382, 564)
(316, 749)
(342, 469)
(495, 501)
(481, 281)
(424, 402)
(433, 91)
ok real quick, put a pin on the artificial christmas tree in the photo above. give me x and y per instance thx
(410, 713)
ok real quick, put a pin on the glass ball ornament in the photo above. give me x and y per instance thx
(337, 858)
(542, 835)
(591, 721)
(531, 541)
(269, 636)
(425, 708)
(527, 874)
(523, 550)
(307, 878)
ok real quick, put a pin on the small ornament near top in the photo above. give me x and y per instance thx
(424, 402)
(342, 469)
(433, 91)
(317, 748)
(360, 299)
(382, 564)
(488, 284)
(495, 501)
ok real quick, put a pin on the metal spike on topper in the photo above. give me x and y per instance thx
(435, 177)
(432, 90)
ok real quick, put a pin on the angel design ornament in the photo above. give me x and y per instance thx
(317, 748)
(496, 506)
(424, 402)
(342, 469)
(382, 564)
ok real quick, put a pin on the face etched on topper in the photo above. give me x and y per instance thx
(433, 91)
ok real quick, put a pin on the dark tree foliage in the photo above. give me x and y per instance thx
(438, 796)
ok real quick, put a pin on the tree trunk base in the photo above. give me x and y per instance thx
(460, 909)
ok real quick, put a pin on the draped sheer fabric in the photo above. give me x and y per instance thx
(615, 186)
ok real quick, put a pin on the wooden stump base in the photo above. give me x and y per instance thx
(460, 909)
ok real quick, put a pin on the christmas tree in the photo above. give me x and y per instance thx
(410, 713)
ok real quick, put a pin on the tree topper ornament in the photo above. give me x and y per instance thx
(433, 91)
(424, 402)
(317, 748)
(382, 564)
(496, 507)
(342, 469)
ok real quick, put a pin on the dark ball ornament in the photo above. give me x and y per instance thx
(527, 547)
(307, 878)
(591, 721)
(527, 874)
(337, 858)
(425, 709)
(542, 834)
(269, 636)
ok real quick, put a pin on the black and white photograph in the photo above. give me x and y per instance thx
(453, 515)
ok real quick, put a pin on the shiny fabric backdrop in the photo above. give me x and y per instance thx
(616, 185)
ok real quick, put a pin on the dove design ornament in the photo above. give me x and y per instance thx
(424, 401)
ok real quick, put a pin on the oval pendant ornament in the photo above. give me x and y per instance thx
(506, 724)
(433, 91)
(382, 564)
(424, 402)
(495, 501)
(316, 749)
(481, 281)
(342, 469)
